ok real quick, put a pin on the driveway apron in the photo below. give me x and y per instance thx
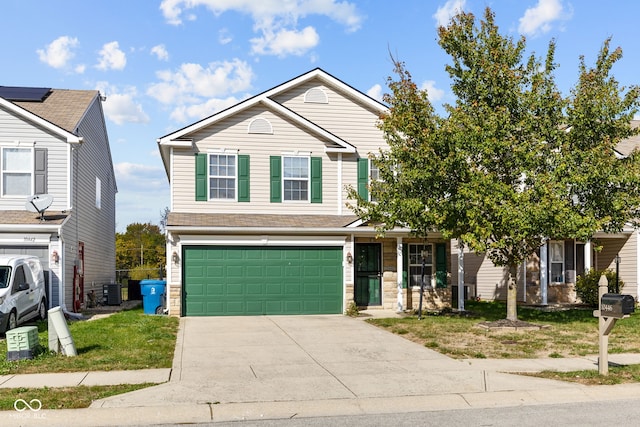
(304, 358)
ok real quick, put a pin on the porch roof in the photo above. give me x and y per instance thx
(206, 220)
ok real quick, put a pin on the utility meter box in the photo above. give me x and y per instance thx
(616, 305)
(22, 343)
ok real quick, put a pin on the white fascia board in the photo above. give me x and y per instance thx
(332, 81)
(327, 78)
(68, 136)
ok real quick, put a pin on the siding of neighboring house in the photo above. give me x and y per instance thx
(628, 268)
(95, 227)
(17, 130)
(231, 134)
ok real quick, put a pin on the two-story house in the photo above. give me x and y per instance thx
(258, 220)
(54, 142)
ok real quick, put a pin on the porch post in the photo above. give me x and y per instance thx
(544, 276)
(460, 276)
(399, 272)
(588, 262)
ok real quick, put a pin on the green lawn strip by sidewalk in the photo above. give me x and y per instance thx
(63, 397)
(617, 375)
(123, 341)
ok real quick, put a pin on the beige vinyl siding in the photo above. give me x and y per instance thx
(17, 130)
(346, 118)
(628, 268)
(232, 134)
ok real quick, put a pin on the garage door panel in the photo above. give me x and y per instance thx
(262, 280)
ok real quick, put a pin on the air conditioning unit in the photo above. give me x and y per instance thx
(112, 293)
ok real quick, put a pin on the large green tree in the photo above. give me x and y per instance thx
(141, 250)
(513, 162)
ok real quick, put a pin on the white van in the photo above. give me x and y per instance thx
(22, 292)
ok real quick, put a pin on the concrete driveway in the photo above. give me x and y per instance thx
(314, 365)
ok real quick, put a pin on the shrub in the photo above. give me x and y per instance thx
(587, 285)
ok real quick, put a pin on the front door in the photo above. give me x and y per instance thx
(368, 283)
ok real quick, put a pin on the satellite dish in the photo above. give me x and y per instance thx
(39, 203)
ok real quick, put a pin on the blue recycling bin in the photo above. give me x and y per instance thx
(153, 295)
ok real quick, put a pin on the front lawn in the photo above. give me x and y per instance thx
(567, 333)
(125, 340)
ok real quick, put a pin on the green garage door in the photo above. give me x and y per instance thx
(235, 281)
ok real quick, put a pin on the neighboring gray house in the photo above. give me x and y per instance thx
(55, 142)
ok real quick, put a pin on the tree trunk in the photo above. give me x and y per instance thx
(512, 293)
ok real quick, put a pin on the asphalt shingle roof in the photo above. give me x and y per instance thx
(258, 220)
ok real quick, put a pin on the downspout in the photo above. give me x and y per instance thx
(544, 276)
(399, 273)
(460, 276)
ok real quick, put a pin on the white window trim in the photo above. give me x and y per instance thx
(430, 283)
(30, 170)
(306, 156)
(551, 262)
(372, 166)
(228, 153)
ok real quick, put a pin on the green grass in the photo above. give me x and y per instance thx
(63, 397)
(567, 333)
(125, 340)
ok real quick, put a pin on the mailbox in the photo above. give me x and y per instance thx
(616, 305)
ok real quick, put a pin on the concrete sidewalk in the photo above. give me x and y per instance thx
(229, 369)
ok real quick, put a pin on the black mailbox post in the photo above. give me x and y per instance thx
(616, 305)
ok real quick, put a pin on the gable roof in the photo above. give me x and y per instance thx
(60, 112)
(180, 138)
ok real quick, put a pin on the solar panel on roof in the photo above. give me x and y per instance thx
(16, 93)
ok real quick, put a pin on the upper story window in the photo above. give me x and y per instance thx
(295, 177)
(295, 174)
(374, 175)
(17, 171)
(222, 176)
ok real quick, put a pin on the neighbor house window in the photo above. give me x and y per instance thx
(17, 171)
(556, 259)
(222, 176)
(416, 254)
(98, 193)
(296, 178)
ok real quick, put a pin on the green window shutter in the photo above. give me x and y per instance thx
(363, 178)
(441, 265)
(405, 265)
(316, 180)
(243, 178)
(201, 177)
(276, 179)
(40, 170)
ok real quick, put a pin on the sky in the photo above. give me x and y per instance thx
(164, 64)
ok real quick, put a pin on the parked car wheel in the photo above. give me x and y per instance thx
(13, 320)
(42, 309)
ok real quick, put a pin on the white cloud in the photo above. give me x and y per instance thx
(538, 19)
(138, 176)
(375, 92)
(433, 92)
(275, 21)
(120, 106)
(160, 51)
(285, 42)
(224, 37)
(111, 57)
(59, 52)
(445, 12)
(193, 81)
(194, 112)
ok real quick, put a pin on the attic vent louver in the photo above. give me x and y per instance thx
(316, 95)
(260, 125)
